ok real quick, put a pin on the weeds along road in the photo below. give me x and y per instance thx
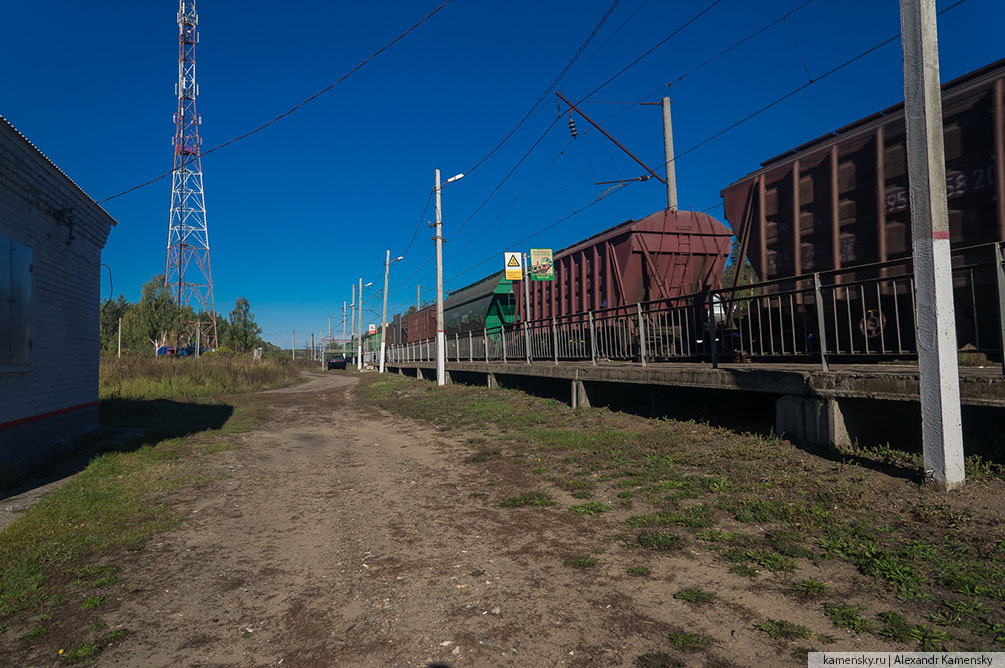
(337, 534)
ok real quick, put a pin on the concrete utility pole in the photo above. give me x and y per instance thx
(383, 318)
(526, 307)
(441, 337)
(359, 348)
(668, 151)
(942, 433)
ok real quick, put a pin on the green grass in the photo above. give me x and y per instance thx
(92, 602)
(529, 499)
(909, 551)
(661, 541)
(591, 508)
(580, 562)
(849, 617)
(188, 379)
(780, 629)
(688, 642)
(112, 501)
(810, 589)
(82, 652)
(640, 571)
(695, 596)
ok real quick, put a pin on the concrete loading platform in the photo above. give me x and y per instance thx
(868, 404)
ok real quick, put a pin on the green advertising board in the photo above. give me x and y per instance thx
(542, 266)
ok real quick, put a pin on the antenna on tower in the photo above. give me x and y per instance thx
(187, 272)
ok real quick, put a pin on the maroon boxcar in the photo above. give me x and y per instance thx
(662, 256)
(841, 200)
(421, 325)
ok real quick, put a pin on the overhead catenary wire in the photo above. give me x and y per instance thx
(288, 112)
(653, 48)
(730, 127)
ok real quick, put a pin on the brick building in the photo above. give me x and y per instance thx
(51, 236)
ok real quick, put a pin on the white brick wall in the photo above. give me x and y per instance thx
(65, 298)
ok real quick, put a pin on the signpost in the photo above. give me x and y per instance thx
(542, 265)
(513, 265)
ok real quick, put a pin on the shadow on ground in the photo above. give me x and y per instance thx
(126, 424)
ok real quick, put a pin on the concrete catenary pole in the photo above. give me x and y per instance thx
(668, 152)
(441, 338)
(383, 317)
(359, 345)
(942, 434)
(526, 308)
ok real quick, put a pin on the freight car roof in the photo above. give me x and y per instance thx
(957, 86)
(698, 223)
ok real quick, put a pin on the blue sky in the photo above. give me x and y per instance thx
(298, 212)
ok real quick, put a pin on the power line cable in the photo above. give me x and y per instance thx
(653, 48)
(290, 111)
(551, 86)
(804, 86)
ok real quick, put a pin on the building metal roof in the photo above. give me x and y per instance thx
(38, 151)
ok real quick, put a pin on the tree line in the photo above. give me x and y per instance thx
(156, 320)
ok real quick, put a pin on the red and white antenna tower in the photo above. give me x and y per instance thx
(187, 272)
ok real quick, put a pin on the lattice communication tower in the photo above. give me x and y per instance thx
(187, 273)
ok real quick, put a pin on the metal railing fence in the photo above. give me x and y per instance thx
(860, 313)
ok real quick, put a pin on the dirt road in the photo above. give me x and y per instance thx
(336, 535)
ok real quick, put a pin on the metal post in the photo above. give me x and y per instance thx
(383, 317)
(485, 336)
(502, 337)
(313, 350)
(593, 339)
(642, 335)
(457, 346)
(554, 339)
(471, 348)
(198, 339)
(1000, 272)
(441, 340)
(359, 341)
(671, 170)
(711, 329)
(821, 332)
(321, 349)
(942, 434)
(526, 310)
(120, 338)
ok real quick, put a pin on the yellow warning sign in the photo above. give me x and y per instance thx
(514, 266)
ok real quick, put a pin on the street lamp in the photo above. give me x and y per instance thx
(441, 337)
(359, 345)
(383, 324)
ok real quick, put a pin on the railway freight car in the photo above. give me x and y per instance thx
(486, 303)
(663, 256)
(841, 200)
(836, 211)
